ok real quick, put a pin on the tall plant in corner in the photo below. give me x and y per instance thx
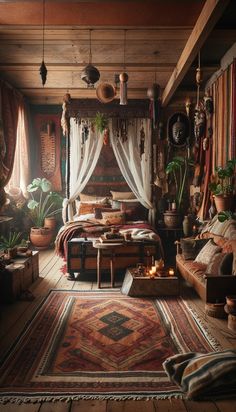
(178, 168)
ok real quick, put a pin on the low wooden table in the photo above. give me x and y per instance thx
(113, 248)
(145, 286)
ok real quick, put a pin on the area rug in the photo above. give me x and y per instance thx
(100, 345)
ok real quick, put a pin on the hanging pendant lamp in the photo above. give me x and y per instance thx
(43, 69)
(123, 77)
(90, 74)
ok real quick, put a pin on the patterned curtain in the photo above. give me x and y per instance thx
(9, 110)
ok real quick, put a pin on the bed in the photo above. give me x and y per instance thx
(97, 216)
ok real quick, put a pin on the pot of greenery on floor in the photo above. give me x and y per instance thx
(9, 244)
(43, 204)
(222, 186)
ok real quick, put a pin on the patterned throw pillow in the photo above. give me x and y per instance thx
(207, 252)
(93, 198)
(122, 195)
(113, 218)
(101, 208)
(191, 247)
(213, 267)
(85, 208)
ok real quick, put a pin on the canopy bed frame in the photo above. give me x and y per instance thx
(133, 151)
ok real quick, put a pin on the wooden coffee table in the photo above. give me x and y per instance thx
(145, 286)
(113, 248)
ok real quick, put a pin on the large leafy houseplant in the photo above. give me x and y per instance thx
(43, 203)
(222, 184)
(178, 169)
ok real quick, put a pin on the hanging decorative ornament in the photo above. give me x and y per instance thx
(43, 69)
(90, 73)
(106, 136)
(208, 105)
(188, 105)
(153, 94)
(123, 77)
(123, 88)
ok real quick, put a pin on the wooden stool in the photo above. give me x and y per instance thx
(112, 247)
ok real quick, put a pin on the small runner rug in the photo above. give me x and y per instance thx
(100, 345)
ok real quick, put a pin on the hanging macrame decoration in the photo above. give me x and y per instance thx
(48, 148)
(123, 88)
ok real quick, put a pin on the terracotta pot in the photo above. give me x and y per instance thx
(223, 203)
(172, 219)
(41, 237)
(50, 222)
(231, 301)
(215, 310)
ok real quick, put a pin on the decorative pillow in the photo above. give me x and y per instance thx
(207, 252)
(93, 198)
(191, 247)
(101, 208)
(136, 213)
(213, 267)
(203, 376)
(113, 218)
(226, 265)
(122, 195)
(85, 208)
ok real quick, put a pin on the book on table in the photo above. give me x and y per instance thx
(118, 239)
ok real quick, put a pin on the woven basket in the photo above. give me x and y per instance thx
(215, 310)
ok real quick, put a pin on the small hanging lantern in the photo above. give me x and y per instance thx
(90, 74)
(43, 69)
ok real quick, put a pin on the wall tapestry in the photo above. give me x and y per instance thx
(47, 128)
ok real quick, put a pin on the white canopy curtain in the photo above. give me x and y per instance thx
(136, 167)
(83, 159)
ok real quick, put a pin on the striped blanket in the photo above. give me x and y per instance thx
(204, 376)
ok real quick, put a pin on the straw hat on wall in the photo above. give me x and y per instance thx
(105, 92)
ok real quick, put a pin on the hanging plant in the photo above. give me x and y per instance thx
(101, 122)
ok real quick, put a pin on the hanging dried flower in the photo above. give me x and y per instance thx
(43, 72)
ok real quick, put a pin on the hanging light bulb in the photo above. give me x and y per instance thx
(123, 77)
(90, 73)
(43, 69)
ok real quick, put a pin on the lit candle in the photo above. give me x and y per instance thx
(154, 269)
(194, 229)
(171, 272)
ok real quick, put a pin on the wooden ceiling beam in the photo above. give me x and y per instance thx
(210, 14)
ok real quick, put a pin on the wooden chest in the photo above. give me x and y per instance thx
(19, 275)
(82, 256)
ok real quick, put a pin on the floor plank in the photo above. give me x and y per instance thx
(26, 407)
(194, 406)
(89, 406)
(226, 405)
(169, 405)
(55, 407)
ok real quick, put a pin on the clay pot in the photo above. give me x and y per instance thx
(41, 237)
(172, 219)
(50, 222)
(223, 203)
(215, 310)
(231, 302)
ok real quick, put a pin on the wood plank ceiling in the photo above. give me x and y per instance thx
(144, 38)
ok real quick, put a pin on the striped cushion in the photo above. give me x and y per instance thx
(204, 376)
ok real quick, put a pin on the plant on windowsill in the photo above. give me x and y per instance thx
(222, 187)
(43, 204)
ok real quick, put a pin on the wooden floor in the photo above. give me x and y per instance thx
(14, 317)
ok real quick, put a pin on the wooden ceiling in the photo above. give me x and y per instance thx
(152, 40)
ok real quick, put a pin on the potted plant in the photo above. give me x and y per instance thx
(43, 204)
(222, 187)
(9, 244)
(178, 169)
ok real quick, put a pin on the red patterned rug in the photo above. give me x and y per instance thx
(99, 345)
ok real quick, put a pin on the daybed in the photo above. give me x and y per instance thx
(208, 261)
(95, 216)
